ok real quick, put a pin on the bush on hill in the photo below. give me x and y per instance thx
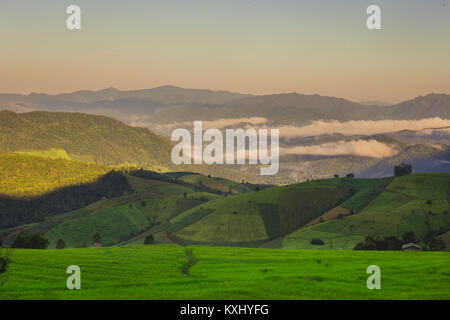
(149, 239)
(390, 243)
(32, 241)
(318, 242)
(402, 170)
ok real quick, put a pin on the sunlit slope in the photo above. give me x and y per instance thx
(25, 176)
(254, 218)
(32, 188)
(417, 203)
(119, 219)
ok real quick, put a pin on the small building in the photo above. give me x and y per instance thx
(97, 245)
(411, 247)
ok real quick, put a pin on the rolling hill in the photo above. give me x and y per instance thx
(32, 188)
(252, 219)
(418, 203)
(84, 137)
(96, 139)
(72, 200)
(341, 212)
(187, 208)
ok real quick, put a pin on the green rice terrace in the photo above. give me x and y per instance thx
(155, 272)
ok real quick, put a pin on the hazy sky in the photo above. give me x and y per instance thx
(256, 46)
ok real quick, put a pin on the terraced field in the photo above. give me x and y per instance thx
(154, 272)
(415, 203)
(251, 219)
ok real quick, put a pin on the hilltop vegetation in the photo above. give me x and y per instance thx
(32, 188)
(24, 176)
(84, 137)
(96, 139)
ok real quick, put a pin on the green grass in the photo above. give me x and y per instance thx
(154, 272)
(122, 221)
(368, 189)
(267, 214)
(415, 203)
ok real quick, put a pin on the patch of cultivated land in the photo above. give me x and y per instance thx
(153, 272)
(415, 203)
(264, 217)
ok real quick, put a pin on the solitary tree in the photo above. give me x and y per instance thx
(402, 170)
(96, 237)
(149, 239)
(60, 244)
(408, 237)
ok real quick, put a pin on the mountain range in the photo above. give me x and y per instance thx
(320, 136)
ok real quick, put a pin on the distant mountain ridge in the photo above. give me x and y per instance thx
(167, 104)
(163, 94)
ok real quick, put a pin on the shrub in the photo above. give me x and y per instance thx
(96, 237)
(60, 244)
(387, 243)
(402, 170)
(408, 237)
(5, 261)
(33, 241)
(436, 244)
(149, 239)
(190, 262)
(317, 242)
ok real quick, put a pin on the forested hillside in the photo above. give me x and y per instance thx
(96, 139)
(84, 137)
(24, 176)
(32, 187)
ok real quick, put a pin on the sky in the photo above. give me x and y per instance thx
(249, 46)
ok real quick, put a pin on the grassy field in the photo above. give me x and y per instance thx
(249, 218)
(415, 203)
(154, 272)
(119, 219)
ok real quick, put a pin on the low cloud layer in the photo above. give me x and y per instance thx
(218, 124)
(361, 148)
(361, 127)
